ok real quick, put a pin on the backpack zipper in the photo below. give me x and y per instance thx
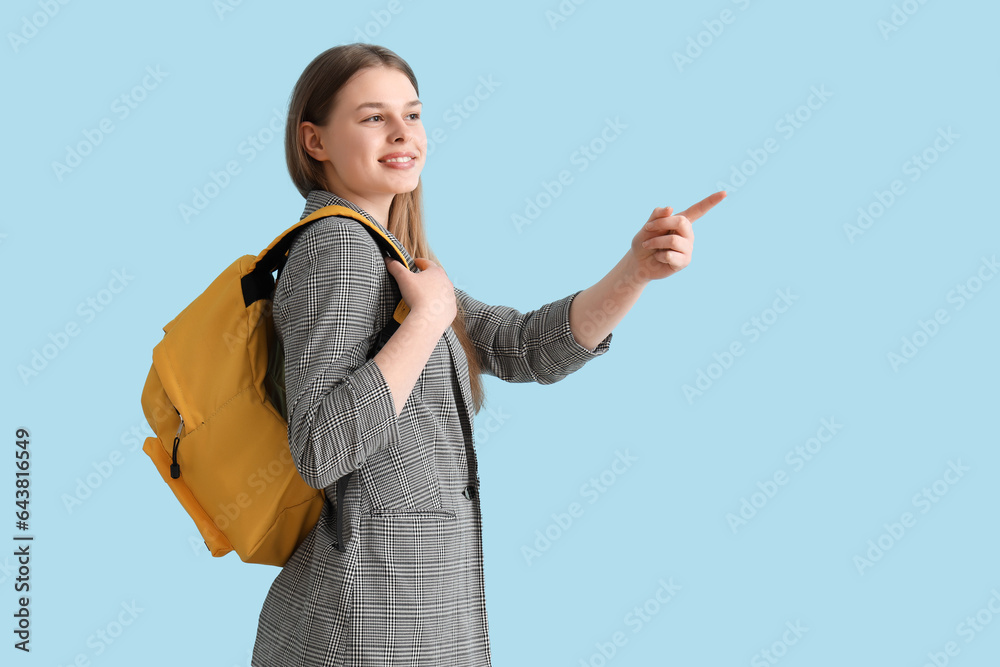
(175, 468)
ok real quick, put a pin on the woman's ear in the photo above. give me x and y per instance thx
(312, 141)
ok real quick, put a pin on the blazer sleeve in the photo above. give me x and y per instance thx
(537, 346)
(327, 313)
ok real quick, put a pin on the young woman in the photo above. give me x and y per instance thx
(405, 586)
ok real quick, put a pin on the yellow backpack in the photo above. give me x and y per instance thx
(215, 399)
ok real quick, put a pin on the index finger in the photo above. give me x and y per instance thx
(704, 206)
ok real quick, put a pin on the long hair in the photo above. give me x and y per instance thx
(312, 100)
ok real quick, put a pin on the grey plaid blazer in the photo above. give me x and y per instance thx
(408, 590)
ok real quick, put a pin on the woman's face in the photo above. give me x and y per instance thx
(376, 115)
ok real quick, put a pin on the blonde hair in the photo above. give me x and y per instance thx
(312, 100)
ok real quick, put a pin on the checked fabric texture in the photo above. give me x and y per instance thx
(409, 588)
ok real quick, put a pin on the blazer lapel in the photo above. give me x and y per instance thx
(461, 366)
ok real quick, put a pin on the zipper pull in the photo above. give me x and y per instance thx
(175, 468)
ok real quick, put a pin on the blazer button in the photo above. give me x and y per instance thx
(470, 492)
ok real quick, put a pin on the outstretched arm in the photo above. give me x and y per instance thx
(661, 248)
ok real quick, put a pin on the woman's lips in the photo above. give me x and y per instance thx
(396, 164)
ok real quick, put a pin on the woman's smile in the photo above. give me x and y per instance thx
(399, 160)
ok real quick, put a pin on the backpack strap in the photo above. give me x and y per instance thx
(258, 283)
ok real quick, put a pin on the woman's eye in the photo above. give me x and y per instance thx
(415, 113)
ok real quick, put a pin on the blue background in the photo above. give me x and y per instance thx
(688, 126)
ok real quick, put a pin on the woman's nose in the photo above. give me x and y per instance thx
(399, 128)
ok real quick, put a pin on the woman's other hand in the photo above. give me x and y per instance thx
(665, 243)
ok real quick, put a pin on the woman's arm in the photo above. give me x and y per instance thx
(340, 405)
(404, 355)
(430, 297)
(661, 248)
(537, 346)
(597, 310)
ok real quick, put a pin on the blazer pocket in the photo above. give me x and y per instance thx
(413, 514)
(403, 478)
